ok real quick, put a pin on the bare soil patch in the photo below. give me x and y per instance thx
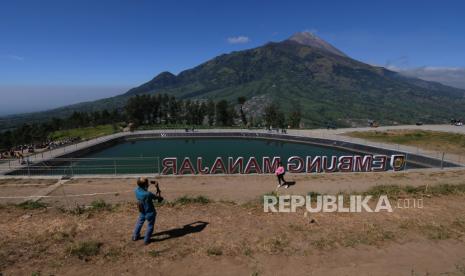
(430, 140)
(242, 189)
(230, 234)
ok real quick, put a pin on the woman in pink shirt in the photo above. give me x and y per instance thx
(280, 172)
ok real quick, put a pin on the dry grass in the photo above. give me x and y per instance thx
(429, 140)
(85, 249)
(215, 251)
(53, 242)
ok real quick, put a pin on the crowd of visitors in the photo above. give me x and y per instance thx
(20, 151)
(270, 129)
(456, 122)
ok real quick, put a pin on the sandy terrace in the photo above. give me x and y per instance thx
(231, 188)
(232, 235)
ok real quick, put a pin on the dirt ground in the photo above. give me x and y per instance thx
(235, 188)
(231, 235)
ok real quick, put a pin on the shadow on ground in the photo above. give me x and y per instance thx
(290, 183)
(187, 229)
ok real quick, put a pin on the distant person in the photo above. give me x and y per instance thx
(280, 172)
(146, 208)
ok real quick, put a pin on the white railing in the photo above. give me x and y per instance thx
(440, 155)
(31, 161)
(89, 166)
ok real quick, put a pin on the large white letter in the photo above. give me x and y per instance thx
(267, 205)
(329, 203)
(383, 204)
(297, 201)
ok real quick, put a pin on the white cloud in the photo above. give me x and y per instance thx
(452, 76)
(313, 31)
(12, 57)
(238, 39)
(397, 63)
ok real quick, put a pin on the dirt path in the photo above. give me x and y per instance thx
(205, 239)
(245, 188)
(232, 235)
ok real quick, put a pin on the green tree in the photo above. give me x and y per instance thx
(210, 110)
(224, 114)
(134, 109)
(241, 100)
(271, 115)
(295, 117)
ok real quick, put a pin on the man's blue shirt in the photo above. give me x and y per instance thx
(146, 198)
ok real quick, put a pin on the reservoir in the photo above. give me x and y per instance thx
(138, 155)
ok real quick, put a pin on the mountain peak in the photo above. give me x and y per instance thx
(164, 79)
(312, 40)
(165, 75)
(303, 35)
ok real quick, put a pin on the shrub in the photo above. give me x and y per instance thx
(85, 249)
(100, 205)
(29, 205)
(215, 251)
(191, 200)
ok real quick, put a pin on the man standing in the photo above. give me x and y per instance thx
(147, 211)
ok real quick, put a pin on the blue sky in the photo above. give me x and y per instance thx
(59, 52)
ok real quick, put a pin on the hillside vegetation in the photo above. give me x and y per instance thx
(327, 87)
(84, 133)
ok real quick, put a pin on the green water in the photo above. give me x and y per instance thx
(144, 156)
(208, 148)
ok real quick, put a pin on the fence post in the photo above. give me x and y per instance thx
(406, 161)
(28, 169)
(442, 161)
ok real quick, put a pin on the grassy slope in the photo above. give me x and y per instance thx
(430, 140)
(83, 133)
(328, 88)
(102, 130)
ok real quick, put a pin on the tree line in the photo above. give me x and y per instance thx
(167, 110)
(154, 110)
(163, 109)
(39, 133)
